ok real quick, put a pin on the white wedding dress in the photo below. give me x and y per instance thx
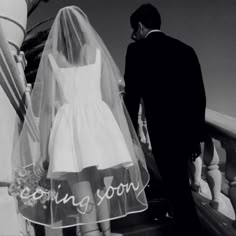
(84, 131)
(97, 170)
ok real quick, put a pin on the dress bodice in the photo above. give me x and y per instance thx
(79, 84)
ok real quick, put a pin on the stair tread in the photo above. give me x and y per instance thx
(145, 228)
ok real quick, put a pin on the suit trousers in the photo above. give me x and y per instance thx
(173, 168)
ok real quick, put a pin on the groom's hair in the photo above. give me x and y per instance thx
(148, 15)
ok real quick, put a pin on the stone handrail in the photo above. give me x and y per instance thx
(13, 82)
(10, 78)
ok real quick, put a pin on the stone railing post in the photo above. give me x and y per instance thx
(230, 173)
(21, 64)
(195, 168)
(213, 175)
(140, 123)
(143, 130)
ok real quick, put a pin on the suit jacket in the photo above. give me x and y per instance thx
(166, 74)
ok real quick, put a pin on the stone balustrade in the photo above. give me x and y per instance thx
(222, 129)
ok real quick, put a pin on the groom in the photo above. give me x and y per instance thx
(166, 74)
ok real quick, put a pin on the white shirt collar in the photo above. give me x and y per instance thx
(151, 31)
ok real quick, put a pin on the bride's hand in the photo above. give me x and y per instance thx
(39, 169)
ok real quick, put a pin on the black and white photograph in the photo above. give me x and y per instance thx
(117, 118)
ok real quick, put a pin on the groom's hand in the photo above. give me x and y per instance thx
(196, 151)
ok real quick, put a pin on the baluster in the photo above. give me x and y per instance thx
(196, 173)
(141, 125)
(213, 175)
(21, 64)
(27, 98)
(230, 173)
(145, 130)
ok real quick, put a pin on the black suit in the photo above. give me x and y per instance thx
(166, 74)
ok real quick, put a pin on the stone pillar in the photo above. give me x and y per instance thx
(13, 18)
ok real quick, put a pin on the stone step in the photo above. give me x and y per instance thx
(151, 229)
(155, 228)
(149, 222)
(157, 209)
(58, 232)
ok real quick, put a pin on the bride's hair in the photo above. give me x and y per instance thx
(70, 36)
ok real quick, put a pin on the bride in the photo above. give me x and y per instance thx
(86, 166)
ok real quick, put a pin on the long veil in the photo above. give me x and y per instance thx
(72, 42)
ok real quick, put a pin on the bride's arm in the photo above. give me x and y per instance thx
(41, 165)
(45, 127)
(47, 108)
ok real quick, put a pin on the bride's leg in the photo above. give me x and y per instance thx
(103, 208)
(103, 212)
(81, 189)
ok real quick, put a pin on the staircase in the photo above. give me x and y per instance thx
(151, 222)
